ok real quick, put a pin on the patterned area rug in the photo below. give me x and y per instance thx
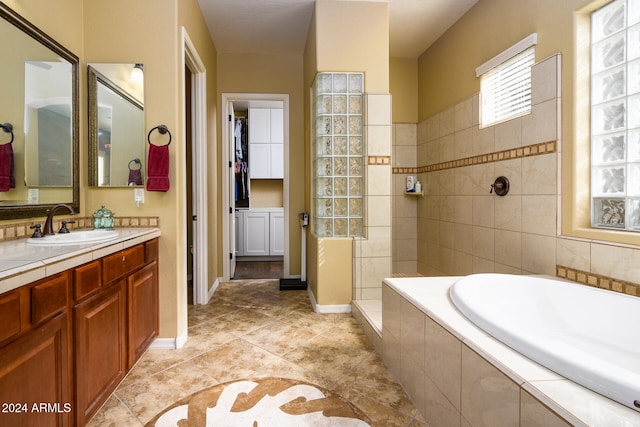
(262, 402)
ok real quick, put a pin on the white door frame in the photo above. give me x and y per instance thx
(192, 61)
(226, 156)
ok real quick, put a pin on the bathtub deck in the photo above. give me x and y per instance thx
(411, 303)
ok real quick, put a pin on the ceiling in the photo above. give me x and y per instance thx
(281, 26)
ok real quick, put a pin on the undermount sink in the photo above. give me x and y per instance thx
(75, 238)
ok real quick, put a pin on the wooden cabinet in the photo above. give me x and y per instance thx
(68, 340)
(115, 321)
(266, 142)
(99, 344)
(35, 356)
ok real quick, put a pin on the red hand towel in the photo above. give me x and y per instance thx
(7, 180)
(158, 168)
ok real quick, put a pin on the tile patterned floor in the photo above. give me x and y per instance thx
(251, 329)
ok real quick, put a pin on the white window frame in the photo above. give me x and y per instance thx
(510, 70)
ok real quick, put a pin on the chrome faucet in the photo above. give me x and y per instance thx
(48, 224)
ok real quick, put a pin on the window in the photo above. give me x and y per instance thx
(615, 116)
(505, 83)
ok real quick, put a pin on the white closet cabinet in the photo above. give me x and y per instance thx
(266, 138)
(276, 233)
(259, 233)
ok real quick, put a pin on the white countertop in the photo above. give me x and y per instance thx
(22, 263)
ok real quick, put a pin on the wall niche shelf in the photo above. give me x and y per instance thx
(414, 193)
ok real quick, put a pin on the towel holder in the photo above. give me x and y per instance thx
(163, 129)
(135, 161)
(8, 128)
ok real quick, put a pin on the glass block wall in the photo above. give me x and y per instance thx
(338, 155)
(615, 115)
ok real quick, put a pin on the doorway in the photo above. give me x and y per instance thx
(195, 191)
(256, 203)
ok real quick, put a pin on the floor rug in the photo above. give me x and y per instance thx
(262, 402)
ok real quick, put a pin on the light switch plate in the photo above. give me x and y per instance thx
(138, 196)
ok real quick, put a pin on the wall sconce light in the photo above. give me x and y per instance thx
(137, 74)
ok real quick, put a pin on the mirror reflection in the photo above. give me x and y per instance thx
(40, 103)
(116, 125)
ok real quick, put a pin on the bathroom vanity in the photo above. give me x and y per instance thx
(68, 338)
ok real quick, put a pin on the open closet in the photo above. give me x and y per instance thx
(258, 170)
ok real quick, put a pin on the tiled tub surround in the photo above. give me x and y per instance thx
(459, 375)
(22, 263)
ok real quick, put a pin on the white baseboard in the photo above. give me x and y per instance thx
(327, 309)
(213, 289)
(169, 343)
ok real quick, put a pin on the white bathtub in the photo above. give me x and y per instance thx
(588, 335)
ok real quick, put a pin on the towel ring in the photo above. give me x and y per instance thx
(163, 129)
(136, 161)
(8, 128)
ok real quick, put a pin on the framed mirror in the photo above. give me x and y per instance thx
(116, 125)
(40, 105)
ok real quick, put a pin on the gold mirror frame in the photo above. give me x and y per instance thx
(11, 211)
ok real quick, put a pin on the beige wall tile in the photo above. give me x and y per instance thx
(539, 215)
(463, 143)
(508, 248)
(533, 413)
(443, 360)
(378, 140)
(509, 212)
(544, 80)
(378, 109)
(406, 134)
(508, 134)
(574, 253)
(439, 410)
(432, 128)
(483, 140)
(412, 338)
(378, 211)
(407, 250)
(484, 242)
(489, 398)
(539, 174)
(447, 147)
(512, 170)
(483, 210)
(447, 121)
(378, 180)
(616, 261)
(463, 114)
(374, 270)
(463, 238)
(405, 156)
(539, 254)
(541, 125)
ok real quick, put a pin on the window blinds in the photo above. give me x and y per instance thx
(505, 90)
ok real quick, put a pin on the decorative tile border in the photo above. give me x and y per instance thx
(379, 160)
(597, 280)
(22, 230)
(512, 153)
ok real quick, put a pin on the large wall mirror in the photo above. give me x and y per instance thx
(116, 125)
(39, 120)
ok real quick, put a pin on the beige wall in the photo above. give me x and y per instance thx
(403, 85)
(267, 193)
(272, 74)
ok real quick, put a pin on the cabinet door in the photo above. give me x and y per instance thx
(276, 159)
(142, 309)
(35, 369)
(99, 344)
(256, 233)
(277, 126)
(276, 233)
(259, 125)
(259, 161)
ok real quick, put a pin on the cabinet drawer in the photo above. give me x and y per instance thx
(120, 263)
(9, 315)
(88, 279)
(49, 298)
